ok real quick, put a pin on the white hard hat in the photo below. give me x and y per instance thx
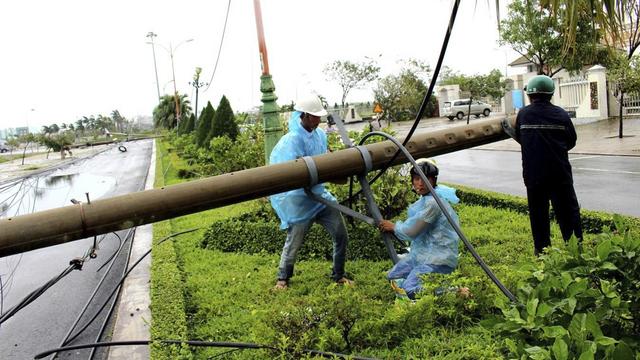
(310, 104)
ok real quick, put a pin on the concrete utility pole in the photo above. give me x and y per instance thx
(56, 226)
(151, 35)
(270, 109)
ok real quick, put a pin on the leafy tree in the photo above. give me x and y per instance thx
(624, 73)
(204, 124)
(400, 96)
(224, 122)
(119, 120)
(351, 75)
(605, 14)
(164, 115)
(57, 142)
(13, 143)
(478, 86)
(46, 130)
(26, 139)
(536, 33)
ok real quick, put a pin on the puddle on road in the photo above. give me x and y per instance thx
(51, 191)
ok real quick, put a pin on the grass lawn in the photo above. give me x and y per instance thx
(202, 294)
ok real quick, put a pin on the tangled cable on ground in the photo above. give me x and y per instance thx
(194, 343)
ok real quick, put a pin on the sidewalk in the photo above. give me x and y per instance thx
(39, 163)
(599, 137)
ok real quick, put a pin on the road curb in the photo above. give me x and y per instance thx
(133, 316)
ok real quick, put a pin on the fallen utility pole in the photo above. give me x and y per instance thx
(74, 222)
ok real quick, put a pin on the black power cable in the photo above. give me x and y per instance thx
(122, 280)
(113, 304)
(224, 30)
(455, 226)
(97, 288)
(425, 101)
(194, 343)
(75, 264)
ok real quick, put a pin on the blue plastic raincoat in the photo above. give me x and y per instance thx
(295, 206)
(433, 240)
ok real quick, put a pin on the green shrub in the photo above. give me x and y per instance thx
(578, 303)
(259, 236)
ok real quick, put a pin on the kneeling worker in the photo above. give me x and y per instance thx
(434, 242)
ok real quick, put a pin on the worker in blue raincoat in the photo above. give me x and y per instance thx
(433, 241)
(296, 210)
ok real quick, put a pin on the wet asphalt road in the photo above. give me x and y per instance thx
(605, 183)
(43, 324)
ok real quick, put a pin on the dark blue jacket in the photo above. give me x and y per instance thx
(546, 134)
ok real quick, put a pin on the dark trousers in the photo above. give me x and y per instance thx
(565, 206)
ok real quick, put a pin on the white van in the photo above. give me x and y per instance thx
(459, 108)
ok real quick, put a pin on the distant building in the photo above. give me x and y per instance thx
(19, 131)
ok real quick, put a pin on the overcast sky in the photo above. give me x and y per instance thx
(62, 60)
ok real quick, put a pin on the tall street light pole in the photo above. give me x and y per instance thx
(175, 89)
(197, 84)
(151, 35)
(272, 127)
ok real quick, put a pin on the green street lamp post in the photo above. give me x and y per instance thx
(270, 109)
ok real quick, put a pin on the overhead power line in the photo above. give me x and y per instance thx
(224, 30)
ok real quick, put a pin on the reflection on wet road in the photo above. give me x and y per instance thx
(48, 192)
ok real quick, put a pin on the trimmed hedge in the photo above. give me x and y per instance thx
(264, 236)
(593, 222)
(258, 231)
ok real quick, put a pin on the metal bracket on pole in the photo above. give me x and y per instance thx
(313, 170)
(366, 188)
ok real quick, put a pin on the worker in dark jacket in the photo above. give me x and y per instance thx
(546, 134)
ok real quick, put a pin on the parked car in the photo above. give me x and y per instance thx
(459, 108)
(4, 147)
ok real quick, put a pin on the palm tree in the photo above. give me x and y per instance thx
(612, 16)
(46, 130)
(164, 115)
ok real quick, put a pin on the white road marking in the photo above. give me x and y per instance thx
(610, 171)
(585, 157)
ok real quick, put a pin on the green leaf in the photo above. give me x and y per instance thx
(608, 266)
(592, 325)
(578, 327)
(623, 352)
(532, 306)
(560, 349)
(603, 249)
(586, 355)
(537, 352)
(605, 341)
(554, 331)
(573, 248)
(568, 305)
(544, 309)
(566, 279)
(576, 287)
(511, 345)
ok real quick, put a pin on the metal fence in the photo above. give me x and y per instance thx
(631, 101)
(572, 92)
